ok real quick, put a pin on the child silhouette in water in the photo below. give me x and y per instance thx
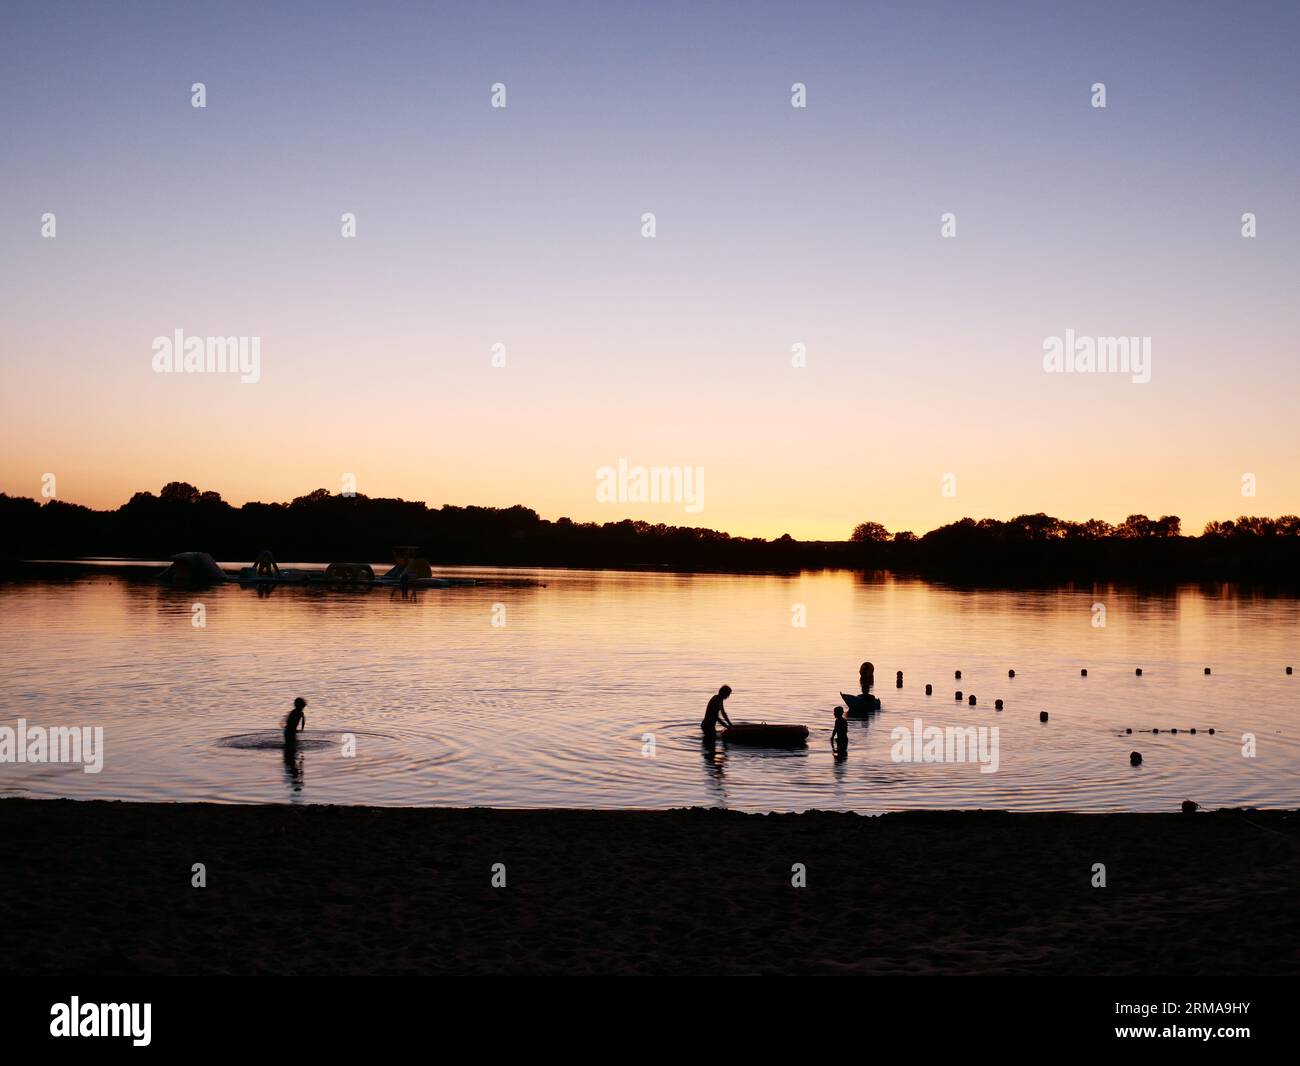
(840, 735)
(296, 721)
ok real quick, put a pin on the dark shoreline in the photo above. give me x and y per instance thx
(321, 527)
(98, 887)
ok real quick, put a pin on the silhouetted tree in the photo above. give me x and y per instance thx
(872, 532)
(179, 492)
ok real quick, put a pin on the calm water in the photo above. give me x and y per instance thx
(551, 708)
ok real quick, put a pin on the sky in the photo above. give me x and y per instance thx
(924, 396)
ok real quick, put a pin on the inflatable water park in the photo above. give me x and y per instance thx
(409, 571)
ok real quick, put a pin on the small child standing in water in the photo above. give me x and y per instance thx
(296, 720)
(840, 735)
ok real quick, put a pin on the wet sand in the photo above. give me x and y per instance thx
(104, 888)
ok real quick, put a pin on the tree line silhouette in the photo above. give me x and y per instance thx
(321, 527)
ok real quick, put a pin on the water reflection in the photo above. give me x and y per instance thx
(715, 760)
(293, 768)
(548, 709)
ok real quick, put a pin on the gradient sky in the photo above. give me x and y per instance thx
(776, 226)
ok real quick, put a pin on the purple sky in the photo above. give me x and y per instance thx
(776, 226)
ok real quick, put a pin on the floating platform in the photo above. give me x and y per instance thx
(766, 735)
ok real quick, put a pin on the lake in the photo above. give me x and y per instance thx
(587, 691)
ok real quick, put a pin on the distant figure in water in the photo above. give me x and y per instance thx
(294, 723)
(867, 676)
(840, 735)
(714, 711)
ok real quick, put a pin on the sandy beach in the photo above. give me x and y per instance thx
(105, 888)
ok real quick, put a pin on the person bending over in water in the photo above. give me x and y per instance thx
(714, 711)
(295, 722)
(840, 735)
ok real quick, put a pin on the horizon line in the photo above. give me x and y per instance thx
(891, 534)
